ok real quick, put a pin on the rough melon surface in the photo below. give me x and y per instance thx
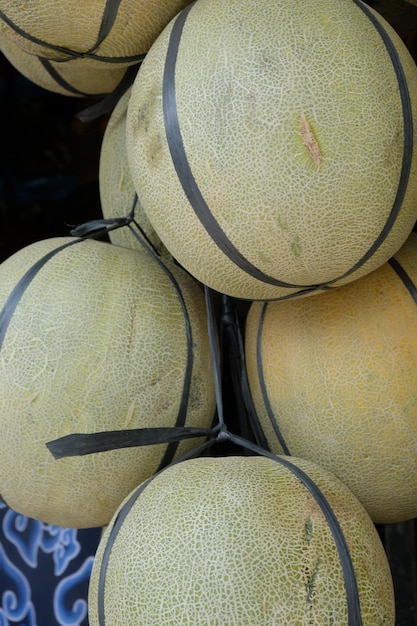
(69, 79)
(117, 192)
(237, 541)
(63, 30)
(97, 342)
(335, 378)
(280, 163)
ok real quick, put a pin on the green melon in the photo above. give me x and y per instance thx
(117, 192)
(333, 380)
(239, 541)
(103, 338)
(271, 143)
(101, 32)
(69, 79)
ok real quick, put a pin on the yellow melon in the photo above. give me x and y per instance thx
(69, 79)
(102, 338)
(117, 192)
(240, 541)
(333, 380)
(271, 143)
(98, 31)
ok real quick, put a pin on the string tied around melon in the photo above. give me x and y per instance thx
(81, 444)
(252, 273)
(107, 100)
(108, 18)
(77, 445)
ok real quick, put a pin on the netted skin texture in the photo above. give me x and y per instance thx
(117, 192)
(292, 125)
(238, 540)
(69, 79)
(338, 375)
(65, 30)
(97, 342)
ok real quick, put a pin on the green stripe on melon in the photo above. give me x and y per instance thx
(102, 338)
(291, 160)
(238, 541)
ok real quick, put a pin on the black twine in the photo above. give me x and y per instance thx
(404, 277)
(16, 294)
(262, 383)
(60, 80)
(109, 100)
(349, 577)
(107, 21)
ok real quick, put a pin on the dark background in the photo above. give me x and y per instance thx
(48, 162)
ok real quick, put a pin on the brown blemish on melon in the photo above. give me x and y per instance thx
(33, 397)
(310, 141)
(129, 415)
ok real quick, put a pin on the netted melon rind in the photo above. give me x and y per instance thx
(117, 192)
(335, 376)
(292, 125)
(237, 540)
(75, 79)
(98, 341)
(75, 29)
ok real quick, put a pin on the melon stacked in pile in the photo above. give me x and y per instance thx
(81, 50)
(265, 154)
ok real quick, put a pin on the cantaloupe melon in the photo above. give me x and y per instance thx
(117, 192)
(240, 541)
(102, 338)
(69, 79)
(99, 31)
(333, 380)
(271, 142)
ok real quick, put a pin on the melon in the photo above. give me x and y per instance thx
(271, 143)
(333, 380)
(94, 338)
(117, 193)
(98, 31)
(240, 541)
(69, 79)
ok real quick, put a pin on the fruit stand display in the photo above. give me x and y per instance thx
(208, 298)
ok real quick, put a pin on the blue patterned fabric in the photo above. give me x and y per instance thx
(44, 571)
